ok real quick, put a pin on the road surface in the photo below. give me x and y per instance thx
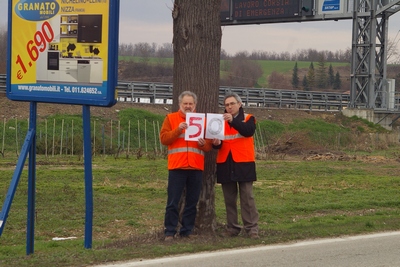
(374, 250)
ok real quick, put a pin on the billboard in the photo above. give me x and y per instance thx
(63, 51)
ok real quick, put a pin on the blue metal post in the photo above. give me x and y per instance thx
(15, 179)
(30, 225)
(87, 153)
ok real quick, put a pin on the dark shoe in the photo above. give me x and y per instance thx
(169, 238)
(228, 233)
(254, 236)
(190, 236)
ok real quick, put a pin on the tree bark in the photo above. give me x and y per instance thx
(197, 48)
(3, 50)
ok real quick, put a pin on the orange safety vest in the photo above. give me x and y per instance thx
(183, 154)
(242, 148)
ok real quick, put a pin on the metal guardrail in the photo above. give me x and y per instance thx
(3, 83)
(161, 93)
(142, 92)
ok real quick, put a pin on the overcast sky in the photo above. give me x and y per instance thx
(150, 21)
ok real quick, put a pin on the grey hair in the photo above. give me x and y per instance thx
(187, 93)
(236, 96)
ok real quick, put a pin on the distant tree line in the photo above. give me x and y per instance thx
(299, 55)
(321, 78)
(143, 70)
(166, 51)
(146, 50)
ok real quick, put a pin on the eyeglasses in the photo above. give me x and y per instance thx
(230, 104)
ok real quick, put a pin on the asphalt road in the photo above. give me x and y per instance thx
(375, 250)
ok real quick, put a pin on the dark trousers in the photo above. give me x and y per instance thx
(178, 180)
(247, 207)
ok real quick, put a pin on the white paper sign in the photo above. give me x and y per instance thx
(215, 126)
(195, 130)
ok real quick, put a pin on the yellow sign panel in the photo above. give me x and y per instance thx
(60, 45)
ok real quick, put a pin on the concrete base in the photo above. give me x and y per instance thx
(384, 119)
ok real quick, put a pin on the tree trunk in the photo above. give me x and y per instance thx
(197, 47)
(3, 50)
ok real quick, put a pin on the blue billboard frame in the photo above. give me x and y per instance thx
(103, 94)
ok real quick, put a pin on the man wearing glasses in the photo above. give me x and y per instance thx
(236, 169)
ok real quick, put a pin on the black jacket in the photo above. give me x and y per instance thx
(231, 171)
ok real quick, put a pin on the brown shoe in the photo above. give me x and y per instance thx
(228, 233)
(169, 238)
(191, 236)
(254, 236)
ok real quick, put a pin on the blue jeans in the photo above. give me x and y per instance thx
(178, 180)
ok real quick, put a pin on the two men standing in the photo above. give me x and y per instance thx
(235, 167)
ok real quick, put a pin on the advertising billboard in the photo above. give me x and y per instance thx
(63, 51)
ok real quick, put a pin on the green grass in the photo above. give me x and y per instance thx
(269, 66)
(296, 200)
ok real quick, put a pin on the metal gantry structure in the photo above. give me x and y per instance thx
(370, 88)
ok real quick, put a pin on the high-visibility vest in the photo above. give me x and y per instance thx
(242, 148)
(183, 154)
